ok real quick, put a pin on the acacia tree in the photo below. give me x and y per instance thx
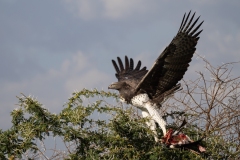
(93, 126)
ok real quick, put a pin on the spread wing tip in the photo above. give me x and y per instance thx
(115, 66)
(184, 21)
(129, 66)
(187, 27)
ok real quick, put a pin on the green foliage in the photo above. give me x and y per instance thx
(123, 135)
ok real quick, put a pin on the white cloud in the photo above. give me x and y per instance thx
(55, 86)
(89, 78)
(78, 62)
(115, 9)
(84, 9)
(110, 9)
(93, 78)
(204, 2)
(224, 44)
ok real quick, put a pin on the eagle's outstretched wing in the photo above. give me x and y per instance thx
(129, 73)
(173, 62)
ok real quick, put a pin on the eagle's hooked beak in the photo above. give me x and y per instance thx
(117, 85)
(112, 86)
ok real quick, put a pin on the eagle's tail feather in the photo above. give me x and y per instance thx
(195, 147)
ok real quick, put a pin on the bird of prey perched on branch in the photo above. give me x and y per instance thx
(148, 89)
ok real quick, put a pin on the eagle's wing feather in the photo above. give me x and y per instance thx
(128, 73)
(173, 62)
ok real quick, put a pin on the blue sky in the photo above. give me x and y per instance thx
(51, 48)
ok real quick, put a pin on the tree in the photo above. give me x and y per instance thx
(211, 108)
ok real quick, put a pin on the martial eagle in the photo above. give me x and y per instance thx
(147, 89)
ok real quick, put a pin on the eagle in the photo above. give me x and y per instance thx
(148, 89)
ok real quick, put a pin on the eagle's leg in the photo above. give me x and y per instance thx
(149, 109)
(154, 113)
(151, 124)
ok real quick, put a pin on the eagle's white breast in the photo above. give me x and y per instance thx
(140, 100)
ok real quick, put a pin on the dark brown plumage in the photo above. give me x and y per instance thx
(169, 68)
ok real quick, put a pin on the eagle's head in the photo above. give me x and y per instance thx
(124, 89)
(118, 85)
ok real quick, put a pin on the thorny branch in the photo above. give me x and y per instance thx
(213, 101)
